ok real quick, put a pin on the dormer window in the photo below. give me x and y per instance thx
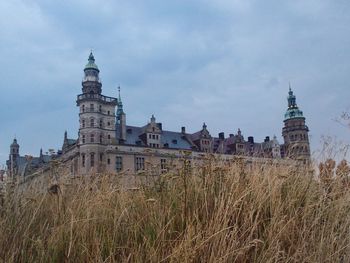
(174, 141)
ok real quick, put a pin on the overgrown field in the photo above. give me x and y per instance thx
(216, 213)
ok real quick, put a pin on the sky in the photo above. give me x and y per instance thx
(224, 62)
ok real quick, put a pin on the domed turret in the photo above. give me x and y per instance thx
(293, 110)
(91, 81)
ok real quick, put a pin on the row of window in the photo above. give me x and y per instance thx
(205, 142)
(154, 145)
(92, 123)
(295, 137)
(300, 149)
(92, 108)
(153, 136)
(92, 138)
(139, 162)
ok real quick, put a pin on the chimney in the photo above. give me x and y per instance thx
(221, 136)
(231, 135)
(183, 129)
(267, 139)
(251, 139)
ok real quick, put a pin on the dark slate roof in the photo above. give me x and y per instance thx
(176, 140)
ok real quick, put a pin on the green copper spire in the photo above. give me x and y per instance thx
(293, 110)
(120, 105)
(91, 64)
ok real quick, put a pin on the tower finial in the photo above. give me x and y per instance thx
(119, 98)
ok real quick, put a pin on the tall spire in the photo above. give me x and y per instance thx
(120, 104)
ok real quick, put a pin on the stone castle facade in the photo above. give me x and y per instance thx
(107, 144)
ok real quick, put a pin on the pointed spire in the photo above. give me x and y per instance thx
(65, 135)
(91, 57)
(119, 97)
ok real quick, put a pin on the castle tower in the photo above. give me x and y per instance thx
(295, 132)
(97, 120)
(13, 157)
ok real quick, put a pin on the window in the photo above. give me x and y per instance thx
(83, 108)
(92, 159)
(101, 123)
(109, 161)
(83, 160)
(92, 123)
(92, 137)
(140, 163)
(109, 136)
(163, 165)
(83, 138)
(153, 136)
(109, 113)
(101, 157)
(108, 123)
(100, 108)
(118, 163)
(150, 136)
(101, 138)
(83, 123)
(92, 107)
(174, 141)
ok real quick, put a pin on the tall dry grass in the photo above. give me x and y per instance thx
(214, 213)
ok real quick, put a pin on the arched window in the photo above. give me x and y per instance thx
(83, 138)
(101, 123)
(92, 137)
(100, 108)
(83, 123)
(92, 123)
(83, 108)
(92, 159)
(101, 138)
(83, 160)
(109, 137)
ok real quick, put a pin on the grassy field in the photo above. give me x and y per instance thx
(214, 213)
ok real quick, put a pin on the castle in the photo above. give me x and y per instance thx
(107, 144)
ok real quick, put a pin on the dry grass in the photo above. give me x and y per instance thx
(216, 213)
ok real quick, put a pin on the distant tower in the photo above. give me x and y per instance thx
(13, 158)
(121, 120)
(97, 120)
(295, 132)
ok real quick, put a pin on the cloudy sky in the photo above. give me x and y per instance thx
(225, 62)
